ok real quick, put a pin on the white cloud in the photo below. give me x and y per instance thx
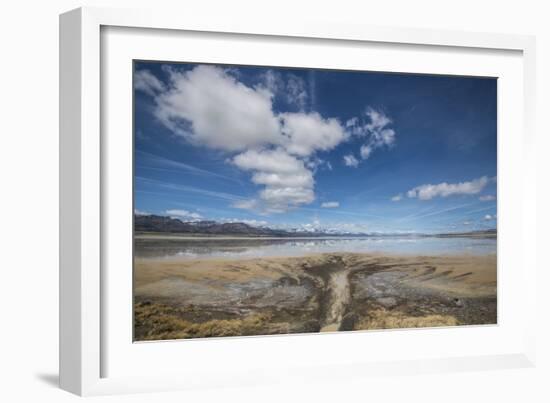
(467, 223)
(145, 81)
(489, 217)
(314, 163)
(140, 212)
(365, 151)
(281, 199)
(376, 131)
(184, 214)
(350, 161)
(275, 161)
(293, 91)
(330, 204)
(209, 107)
(286, 180)
(307, 133)
(296, 91)
(397, 198)
(428, 191)
(487, 198)
(300, 179)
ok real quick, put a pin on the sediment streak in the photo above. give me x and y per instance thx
(338, 300)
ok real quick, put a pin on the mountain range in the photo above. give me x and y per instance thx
(164, 224)
(157, 223)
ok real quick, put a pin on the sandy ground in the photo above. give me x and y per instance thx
(325, 292)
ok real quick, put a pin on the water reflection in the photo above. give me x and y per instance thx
(186, 249)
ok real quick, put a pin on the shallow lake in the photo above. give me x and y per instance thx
(186, 249)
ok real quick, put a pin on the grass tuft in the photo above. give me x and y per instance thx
(160, 322)
(385, 319)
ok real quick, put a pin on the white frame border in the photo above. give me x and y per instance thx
(80, 184)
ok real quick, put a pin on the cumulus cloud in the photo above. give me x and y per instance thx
(487, 198)
(286, 180)
(145, 81)
(210, 107)
(307, 133)
(277, 161)
(489, 217)
(330, 204)
(184, 215)
(397, 198)
(351, 161)
(429, 191)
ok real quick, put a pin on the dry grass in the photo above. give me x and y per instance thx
(384, 319)
(161, 322)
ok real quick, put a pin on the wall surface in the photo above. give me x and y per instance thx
(29, 201)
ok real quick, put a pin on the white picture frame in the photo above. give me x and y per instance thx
(85, 346)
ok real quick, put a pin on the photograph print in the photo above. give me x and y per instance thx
(271, 200)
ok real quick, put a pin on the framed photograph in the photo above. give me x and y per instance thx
(236, 200)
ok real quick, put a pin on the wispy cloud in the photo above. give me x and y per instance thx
(192, 189)
(341, 212)
(376, 131)
(333, 204)
(397, 198)
(145, 81)
(487, 198)
(437, 212)
(165, 162)
(479, 210)
(290, 88)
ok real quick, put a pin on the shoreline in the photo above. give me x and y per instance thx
(379, 254)
(245, 248)
(208, 237)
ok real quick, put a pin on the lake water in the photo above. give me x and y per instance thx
(187, 249)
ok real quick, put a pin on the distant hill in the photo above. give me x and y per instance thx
(156, 223)
(489, 233)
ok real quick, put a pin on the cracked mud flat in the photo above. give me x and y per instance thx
(325, 292)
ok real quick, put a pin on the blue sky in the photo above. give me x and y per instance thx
(302, 148)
